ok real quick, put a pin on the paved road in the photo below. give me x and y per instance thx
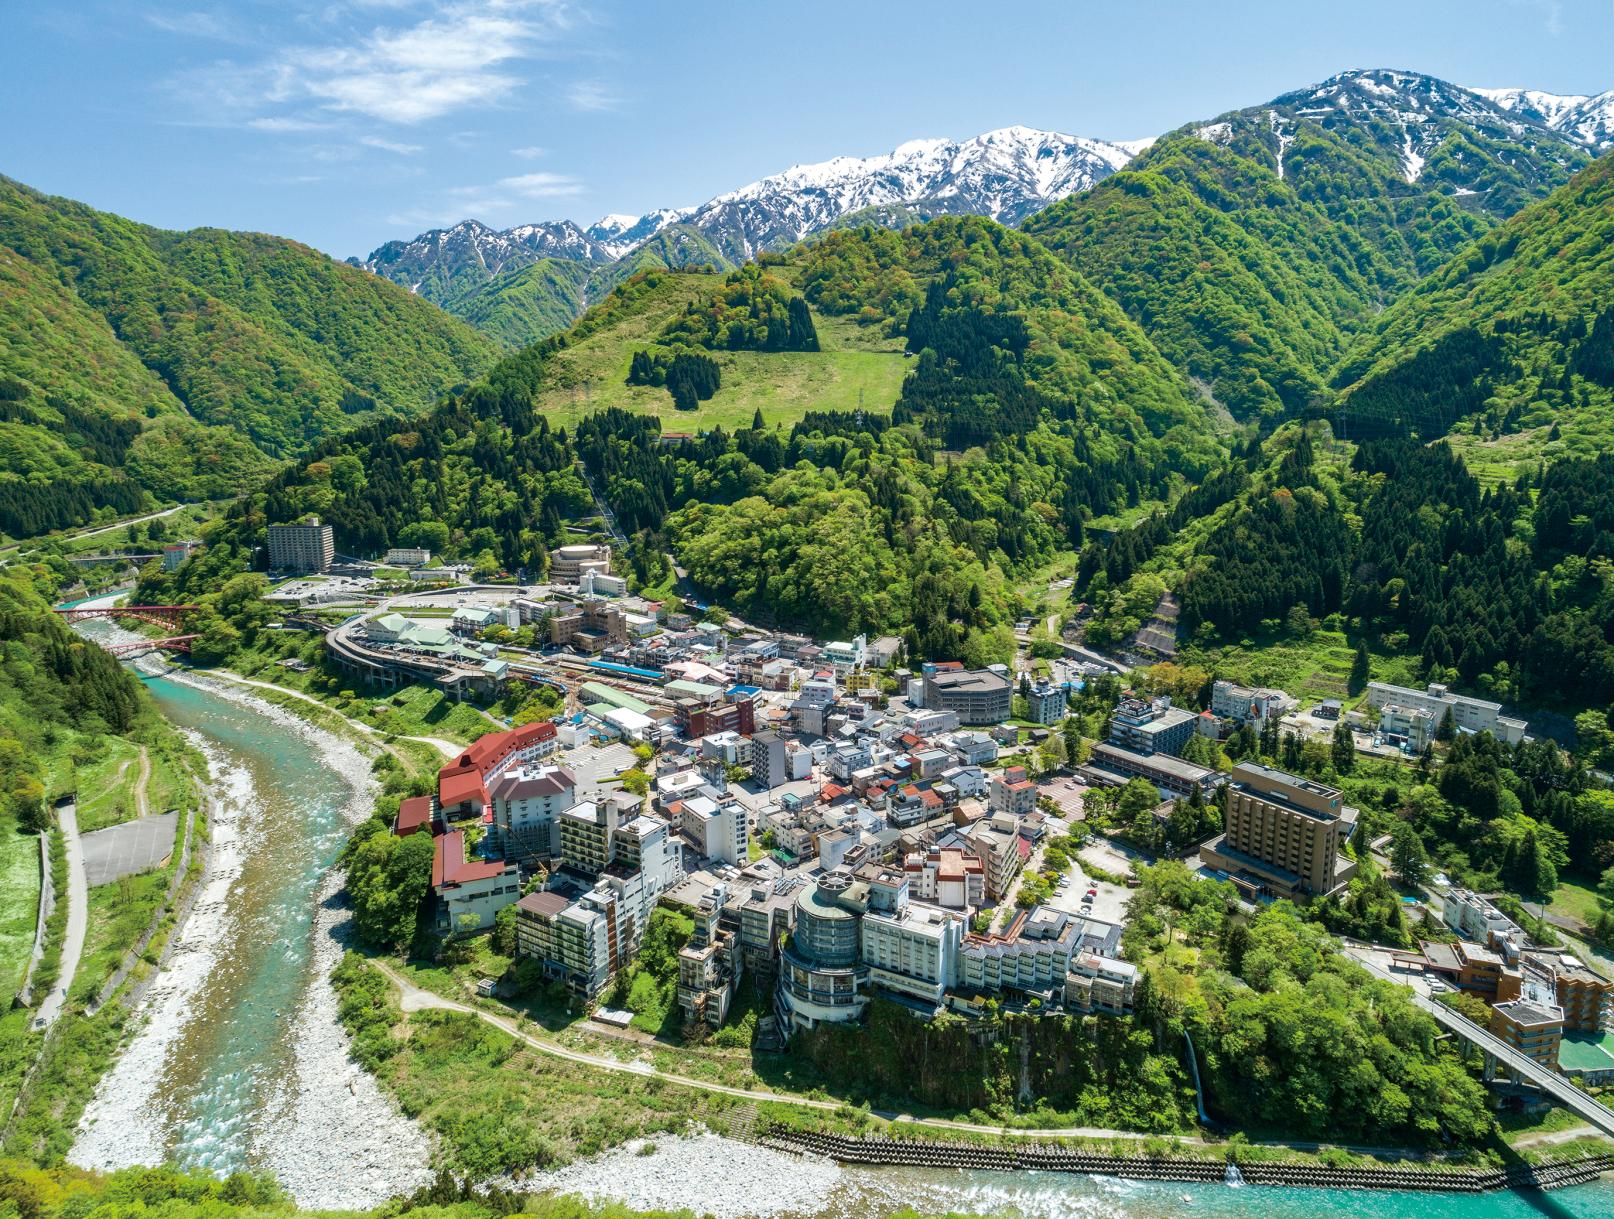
(413, 999)
(90, 533)
(78, 915)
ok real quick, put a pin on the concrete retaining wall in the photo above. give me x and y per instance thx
(848, 1150)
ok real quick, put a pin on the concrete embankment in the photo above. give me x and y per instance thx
(913, 1153)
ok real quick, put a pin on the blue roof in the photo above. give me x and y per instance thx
(744, 691)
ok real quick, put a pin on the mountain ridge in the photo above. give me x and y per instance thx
(1448, 138)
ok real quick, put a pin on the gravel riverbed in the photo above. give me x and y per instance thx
(318, 1121)
(703, 1173)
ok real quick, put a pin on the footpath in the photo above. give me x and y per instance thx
(78, 917)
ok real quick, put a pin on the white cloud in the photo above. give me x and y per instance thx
(284, 123)
(591, 96)
(542, 185)
(1552, 13)
(403, 150)
(499, 202)
(529, 153)
(376, 60)
(199, 24)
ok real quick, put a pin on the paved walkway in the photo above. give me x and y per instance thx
(412, 998)
(141, 810)
(78, 917)
(448, 749)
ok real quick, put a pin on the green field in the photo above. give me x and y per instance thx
(1577, 901)
(856, 368)
(1312, 669)
(19, 905)
(106, 786)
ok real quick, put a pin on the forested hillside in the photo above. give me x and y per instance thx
(138, 362)
(1500, 590)
(1517, 331)
(1252, 281)
(1033, 405)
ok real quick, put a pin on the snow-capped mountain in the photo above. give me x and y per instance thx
(1435, 134)
(437, 261)
(622, 234)
(1005, 174)
(1589, 121)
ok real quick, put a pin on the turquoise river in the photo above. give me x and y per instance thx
(221, 1095)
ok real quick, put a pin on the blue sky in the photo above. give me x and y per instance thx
(349, 122)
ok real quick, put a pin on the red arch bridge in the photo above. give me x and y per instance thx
(170, 616)
(156, 615)
(170, 643)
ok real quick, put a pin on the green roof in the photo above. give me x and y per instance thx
(1586, 1052)
(695, 689)
(594, 692)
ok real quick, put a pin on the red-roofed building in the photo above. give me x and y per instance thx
(414, 815)
(1012, 792)
(948, 876)
(462, 785)
(470, 886)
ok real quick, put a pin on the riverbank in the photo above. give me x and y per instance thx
(210, 1078)
(720, 1177)
(335, 1108)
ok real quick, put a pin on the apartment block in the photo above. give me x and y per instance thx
(1248, 704)
(1011, 792)
(1100, 985)
(911, 950)
(769, 765)
(471, 888)
(309, 547)
(1150, 726)
(527, 803)
(1532, 1026)
(1045, 702)
(1283, 834)
(1033, 956)
(948, 877)
(591, 626)
(1112, 765)
(1414, 725)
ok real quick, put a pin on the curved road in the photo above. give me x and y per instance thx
(447, 748)
(78, 910)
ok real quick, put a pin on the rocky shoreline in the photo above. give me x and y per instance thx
(326, 1130)
(706, 1173)
(336, 1112)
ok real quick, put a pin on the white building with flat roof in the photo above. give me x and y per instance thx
(1468, 714)
(912, 951)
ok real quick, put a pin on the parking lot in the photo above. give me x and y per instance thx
(1066, 793)
(1109, 902)
(128, 849)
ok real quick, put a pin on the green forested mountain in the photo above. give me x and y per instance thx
(1033, 404)
(1255, 247)
(526, 305)
(1518, 330)
(134, 360)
